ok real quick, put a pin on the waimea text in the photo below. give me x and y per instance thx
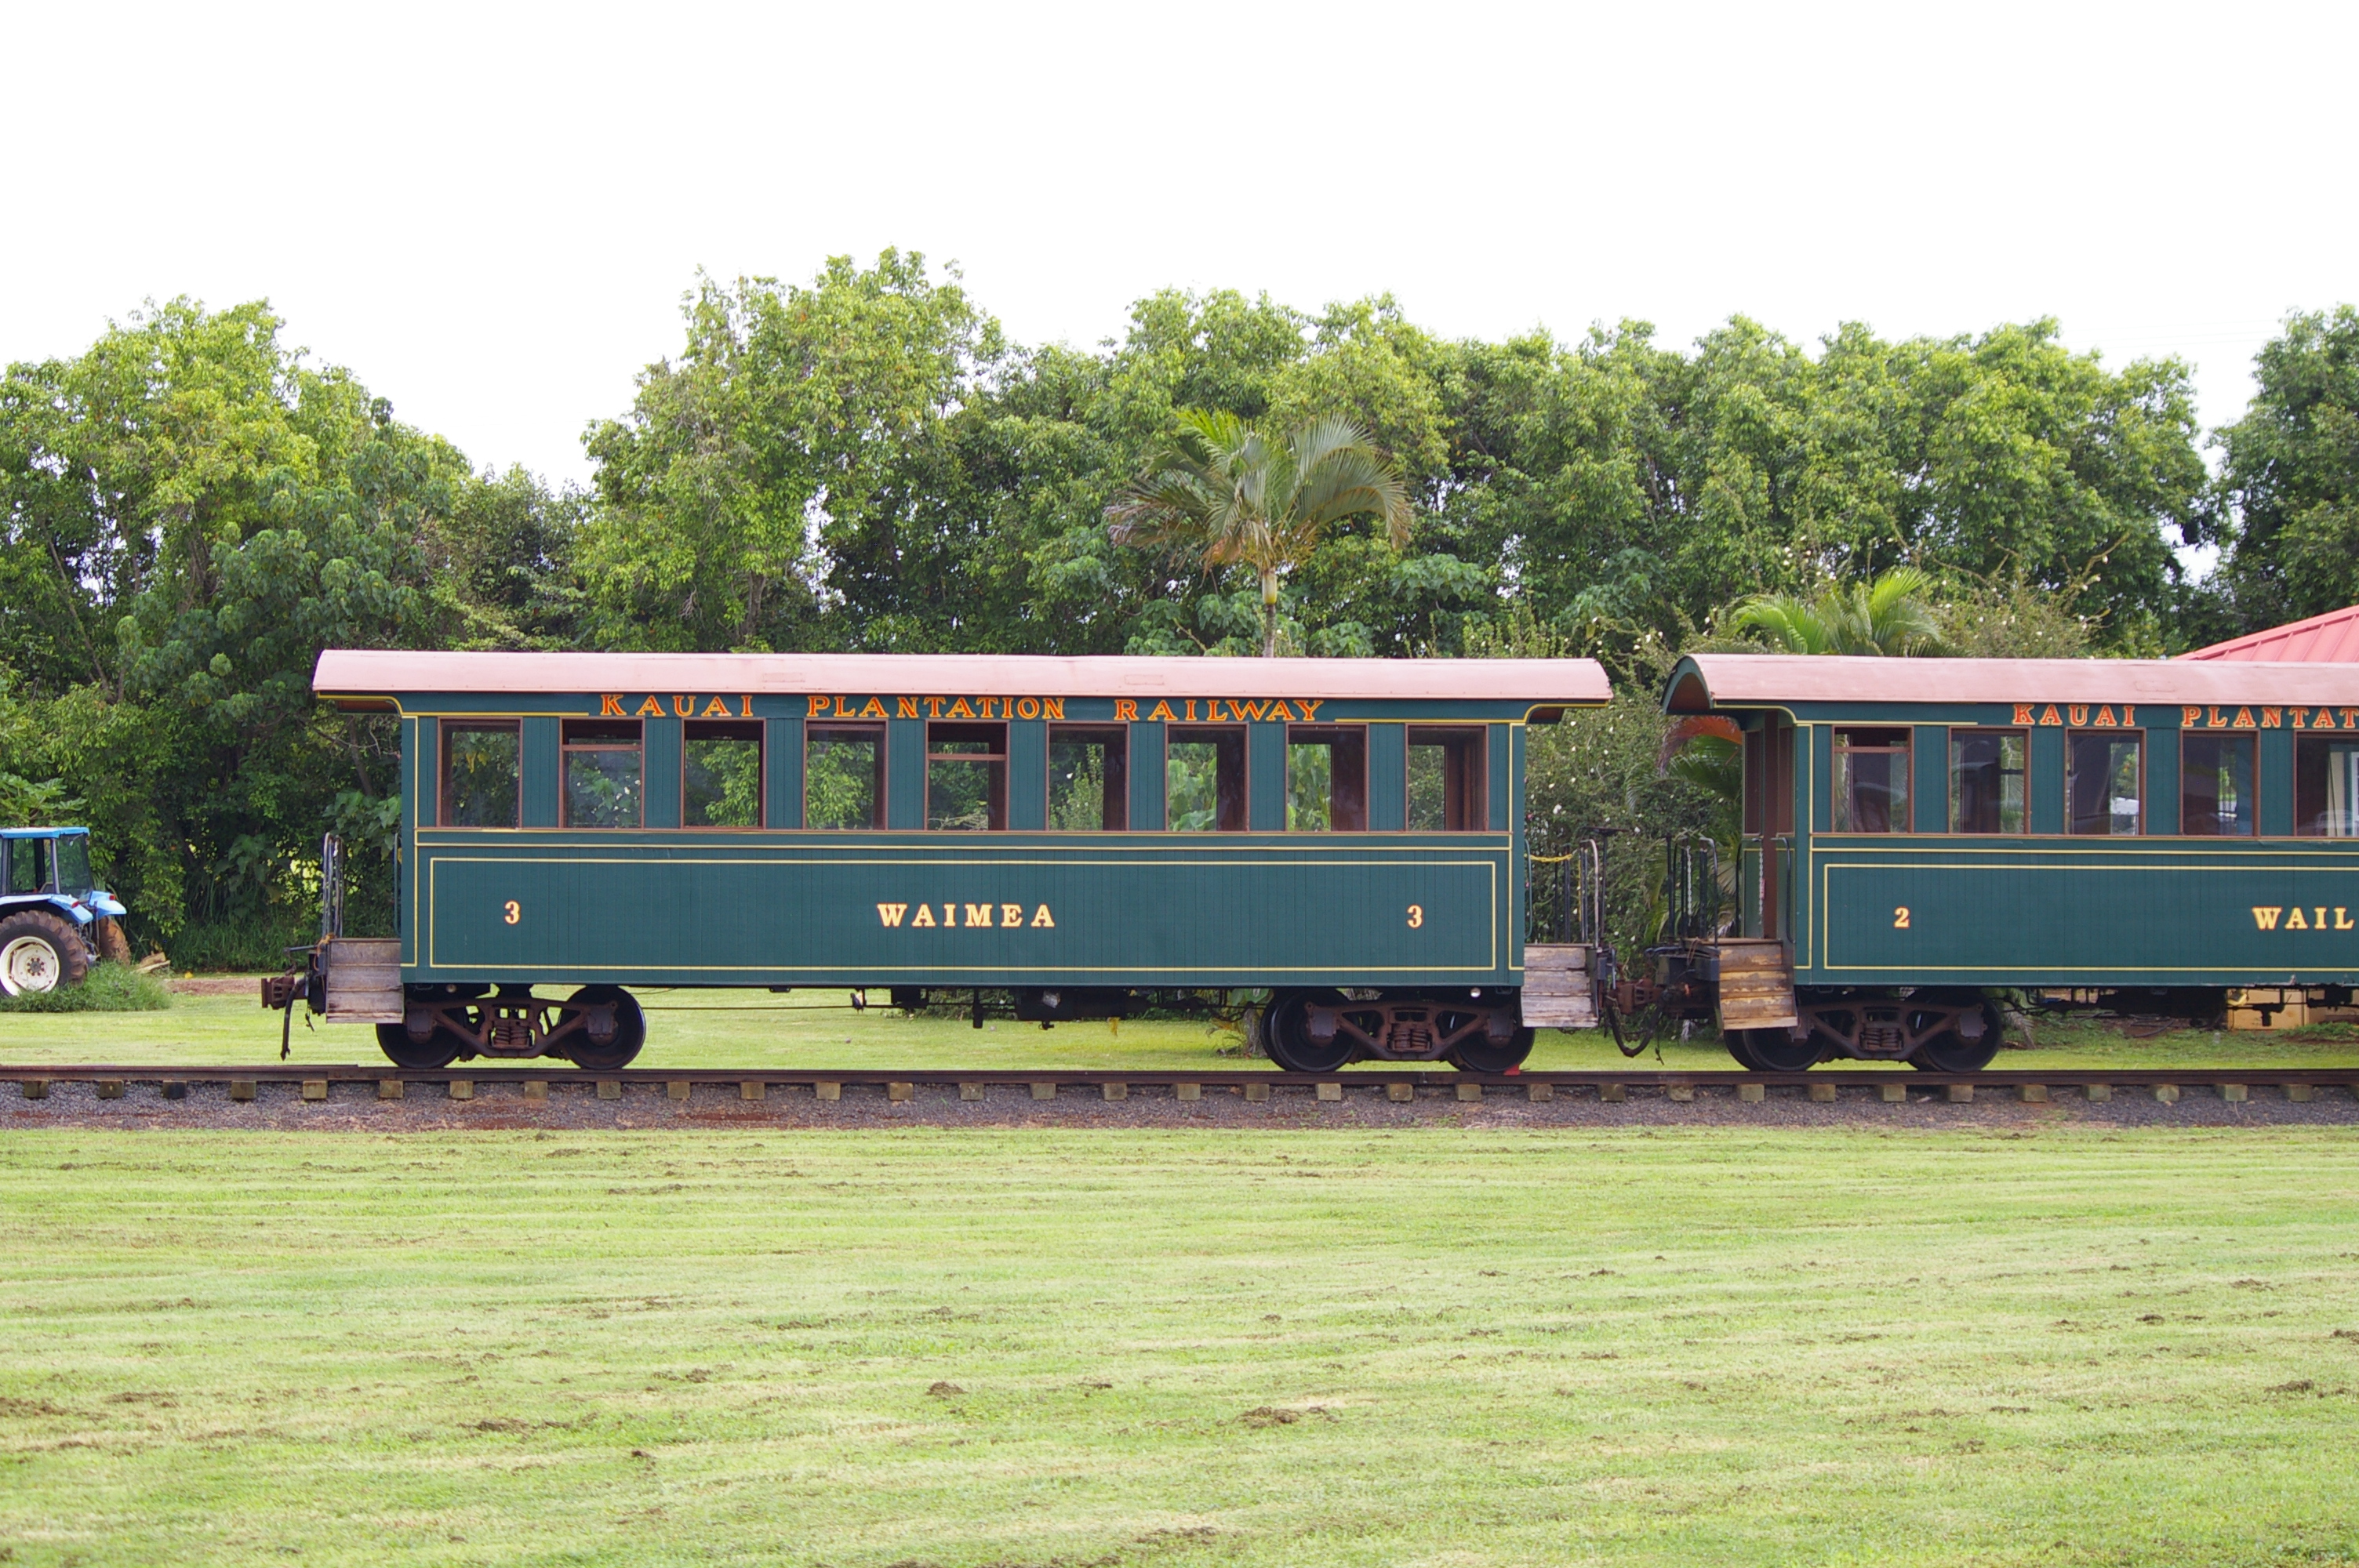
(999, 916)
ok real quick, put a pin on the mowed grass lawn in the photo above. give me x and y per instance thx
(2066, 1345)
(697, 1030)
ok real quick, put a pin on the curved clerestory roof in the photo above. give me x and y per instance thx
(1704, 682)
(368, 676)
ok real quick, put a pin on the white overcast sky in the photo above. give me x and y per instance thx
(490, 212)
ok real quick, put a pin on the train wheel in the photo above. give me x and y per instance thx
(630, 1030)
(1735, 1039)
(439, 1049)
(1955, 1053)
(1775, 1050)
(1286, 1030)
(1485, 1057)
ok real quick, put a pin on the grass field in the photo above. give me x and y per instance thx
(2066, 1345)
(754, 1029)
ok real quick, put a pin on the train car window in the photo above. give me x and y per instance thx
(966, 778)
(844, 776)
(1871, 781)
(483, 776)
(2216, 786)
(2105, 784)
(1986, 781)
(604, 772)
(1446, 779)
(1089, 778)
(1204, 779)
(721, 773)
(1327, 778)
(2326, 788)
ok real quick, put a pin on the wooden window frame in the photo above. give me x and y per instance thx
(1950, 779)
(1200, 734)
(2250, 738)
(443, 730)
(1906, 751)
(567, 747)
(995, 803)
(1475, 788)
(2145, 809)
(816, 728)
(760, 737)
(1118, 800)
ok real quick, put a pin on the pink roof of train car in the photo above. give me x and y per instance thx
(1753, 679)
(357, 673)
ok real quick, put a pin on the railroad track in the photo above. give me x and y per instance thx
(537, 1080)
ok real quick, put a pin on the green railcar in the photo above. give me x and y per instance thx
(1921, 836)
(1069, 835)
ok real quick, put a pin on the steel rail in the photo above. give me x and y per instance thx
(557, 1073)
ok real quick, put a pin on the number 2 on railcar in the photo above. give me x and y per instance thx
(1077, 834)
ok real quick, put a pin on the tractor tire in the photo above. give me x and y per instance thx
(39, 952)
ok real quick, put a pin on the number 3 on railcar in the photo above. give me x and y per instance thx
(1068, 838)
(1924, 837)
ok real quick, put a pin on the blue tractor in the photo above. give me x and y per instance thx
(49, 907)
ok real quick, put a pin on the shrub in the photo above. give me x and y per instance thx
(108, 988)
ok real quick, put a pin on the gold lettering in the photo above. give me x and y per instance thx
(2294, 922)
(2341, 920)
(651, 705)
(718, 705)
(1213, 710)
(904, 708)
(2129, 717)
(2272, 717)
(2319, 921)
(933, 707)
(2266, 916)
(2023, 714)
(925, 916)
(1279, 710)
(683, 706)
(841, 711)
(1162, 710)
(890, 914)
(2048, 715)
(2211, 719)
(2105, 719)
(2080, 712)
(1028, 707)
(958, 709)
(1310, 709)
(2244, 720)
(745, 708)
(978, 915)
(2325, 719)
(875, 709)
(950, 915)
(1042, 919)
(2301, 718)
(1053, 708)
(2188, 717)
(818, 707)
(2348, 713)
(1192, 710)
(1011, 914)
(1125, 709)
(611, 705)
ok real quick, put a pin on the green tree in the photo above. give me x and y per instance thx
(1890, 616)
(754, 487)
(2287, 513)
(1229, 494)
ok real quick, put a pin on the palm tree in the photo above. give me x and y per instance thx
(1889, 616)
(1230, 496)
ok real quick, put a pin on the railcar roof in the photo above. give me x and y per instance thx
(1705, 681)
(344, 672)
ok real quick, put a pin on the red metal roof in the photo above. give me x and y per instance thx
(2329, 639)
(344, 671)
(1756, 679)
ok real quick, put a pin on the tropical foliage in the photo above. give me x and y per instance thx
(192, 507)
